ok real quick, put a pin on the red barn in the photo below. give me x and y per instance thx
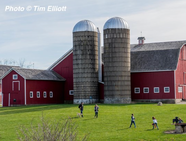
(64, 67)
(30, 86)
(158, 72)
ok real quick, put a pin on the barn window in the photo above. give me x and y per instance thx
(44, 94)
(15, 77)
(166, 89)
(31, 94)
(156, 90)
(71, 92)
(51, 94)
(145, 90)
(38, 94)
(180, 89)
(136, 90)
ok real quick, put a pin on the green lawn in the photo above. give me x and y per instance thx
(112, 124)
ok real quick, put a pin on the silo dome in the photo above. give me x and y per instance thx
(116, 22)
(84, 25)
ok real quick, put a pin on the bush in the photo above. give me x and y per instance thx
(62, 130)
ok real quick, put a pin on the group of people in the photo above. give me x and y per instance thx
(154, 124)
(96, 109)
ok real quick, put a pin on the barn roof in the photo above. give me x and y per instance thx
(162, 56)
(5, 68)
(35, 74)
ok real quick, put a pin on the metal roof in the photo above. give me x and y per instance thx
(84, 25)
(116, 22)
(162, 56)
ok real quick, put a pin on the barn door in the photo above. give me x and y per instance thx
(16, 86)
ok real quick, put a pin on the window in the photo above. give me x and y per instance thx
(166, 89)
(145, 90)
(44, 94)
(71, 92)
(15, 76)
(136, 90)
(105, 35)
(180, 89)
(156, 90)
(38, 94)
(51, 94)
(31, 94)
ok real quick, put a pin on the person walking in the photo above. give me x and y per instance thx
(81, 108)
(155, 123)
(132, 121)
(96, 109)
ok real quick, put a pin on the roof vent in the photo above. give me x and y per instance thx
(141, 40)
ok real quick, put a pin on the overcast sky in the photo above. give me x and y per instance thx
(42, 37)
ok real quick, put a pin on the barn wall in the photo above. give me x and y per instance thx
(13, 87)
(65, 69)
(57, 87)
(151, 80)
(180, 75)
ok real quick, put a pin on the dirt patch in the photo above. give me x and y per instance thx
(172, 132)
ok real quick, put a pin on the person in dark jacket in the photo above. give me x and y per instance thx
(132, 121)
(81, 108)
(96, 109)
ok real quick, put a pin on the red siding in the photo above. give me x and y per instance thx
(56, 87)
(13, 87)
(151, 80)
(65, 69)
(181, 75)
(101, 91)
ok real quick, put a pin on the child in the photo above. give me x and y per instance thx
(155, 123)
(132, 121)
(96, 108)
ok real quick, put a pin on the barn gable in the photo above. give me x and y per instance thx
(161, 56)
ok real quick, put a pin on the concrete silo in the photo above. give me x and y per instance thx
(117, 85)
(85, 62)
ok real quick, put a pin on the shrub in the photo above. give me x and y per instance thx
(62, 130)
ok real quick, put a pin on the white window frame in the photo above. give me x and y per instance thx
(51, 94)
(147, 88)
(166, 88)
(180, 90)
(31, 94)
(38, 94)
(137, 90)
(71, 92)
(45, 94)
(14, 76)
(157, 89)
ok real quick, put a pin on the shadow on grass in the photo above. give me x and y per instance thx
(35, 108)
(124, 129)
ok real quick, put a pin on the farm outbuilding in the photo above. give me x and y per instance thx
(30, 86)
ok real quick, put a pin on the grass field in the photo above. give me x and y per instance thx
(111, 125)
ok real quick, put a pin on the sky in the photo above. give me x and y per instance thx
(39, 37)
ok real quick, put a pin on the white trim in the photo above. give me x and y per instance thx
(144, 90)
(61, 59)
(9, 99)
(14, 76)
(166, 91)
(2, 100)
(157, 89)
(43, 94)
(31, 92)
(136, 88)
(25, 90)
(38, 92)
(13, 85)
(51, 92)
